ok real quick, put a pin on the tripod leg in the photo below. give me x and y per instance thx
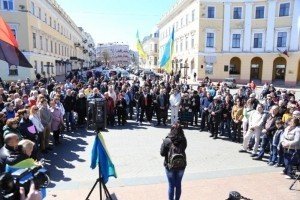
(297, 179)
(87, 198)
(107, 194)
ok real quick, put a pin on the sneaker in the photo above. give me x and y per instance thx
(287, 177)
(253, 155)
(271, 163)
(278, 165)
(242, 151)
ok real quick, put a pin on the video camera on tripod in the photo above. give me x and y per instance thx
(10, 183)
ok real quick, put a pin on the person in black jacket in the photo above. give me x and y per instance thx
(69, 105)
(215, 113)
(195, 99)
(81, 109)
(11, 142)
(176, 139)
(145, 102)
(162, 107)
(121, 109)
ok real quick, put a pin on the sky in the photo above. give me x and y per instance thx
(116, 20)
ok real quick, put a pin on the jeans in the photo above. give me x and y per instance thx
(274, 155)
(174, 179)
(266, 140)
(137, 113)
(70, 119)
(225, 128)
(291, 157)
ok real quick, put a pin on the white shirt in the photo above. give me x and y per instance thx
(37, 122)
(175, 99)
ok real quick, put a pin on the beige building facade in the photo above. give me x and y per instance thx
(150, 46)
(48, 37)
(248, 40)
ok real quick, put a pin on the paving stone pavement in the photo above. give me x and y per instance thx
(135, 152)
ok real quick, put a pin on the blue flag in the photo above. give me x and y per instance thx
(100, 156)
(166, 59)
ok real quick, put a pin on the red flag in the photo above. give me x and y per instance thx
(9, 51)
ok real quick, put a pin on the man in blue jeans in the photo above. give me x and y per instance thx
(174, 143)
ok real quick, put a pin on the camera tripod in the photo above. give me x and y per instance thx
(101, 184)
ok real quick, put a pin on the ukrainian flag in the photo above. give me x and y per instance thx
(101, 156)
(139, 47)
(166, 60)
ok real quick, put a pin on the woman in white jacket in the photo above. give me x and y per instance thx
(256, 120)
(35, 118)
(175, 99)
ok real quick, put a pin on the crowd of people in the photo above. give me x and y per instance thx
(32, 110)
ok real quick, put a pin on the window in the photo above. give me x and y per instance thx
(8, 4)
(257, 40)
(58, 49)
(260, 12)
(284, 9)
(45, 18)
(281, 39)
(14, 32)
(41, 42)
(32, 8)
(47, 49)
(210, 12)
(48, 67)
(186, 43)
(193, 15)
(13, 70)
(42, 67)
(236, 40)
(35, 67)
(51, 46)
(237, 13)
(52, 68)
(186, 19)
(155, 48)
(50, 20)
(210, 40)
(192, 42)
(55, 48)
(54, 25)
(34, 40)
(180, 45)
(181, 22)
(155, 60)
(40, 13)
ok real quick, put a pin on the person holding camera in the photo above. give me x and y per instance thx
(173, 150)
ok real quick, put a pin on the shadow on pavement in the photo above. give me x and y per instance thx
(62, 156)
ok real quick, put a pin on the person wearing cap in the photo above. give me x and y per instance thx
(175, 100)
(296, 114)
(215, 112)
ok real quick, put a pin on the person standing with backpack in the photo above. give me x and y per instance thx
(173, 149)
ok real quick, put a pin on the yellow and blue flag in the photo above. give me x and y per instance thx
(139, 47)
(166, 60)
(101, 157)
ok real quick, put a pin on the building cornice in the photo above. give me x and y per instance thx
(177, 8)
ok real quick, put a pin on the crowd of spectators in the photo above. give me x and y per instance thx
(41, 110)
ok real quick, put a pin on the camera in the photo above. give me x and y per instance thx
(10, 183)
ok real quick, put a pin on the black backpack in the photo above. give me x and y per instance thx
(176, 158)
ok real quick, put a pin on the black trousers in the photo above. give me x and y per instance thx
(148, 111)
(195, 117)
(214, 127)
(121, 116)
(56, 135)
(161, 114)
(111, 119)
(237, 131)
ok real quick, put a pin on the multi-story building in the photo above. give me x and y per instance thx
(113, 54)
(47, 36)
(249, 40)
(150, 46)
